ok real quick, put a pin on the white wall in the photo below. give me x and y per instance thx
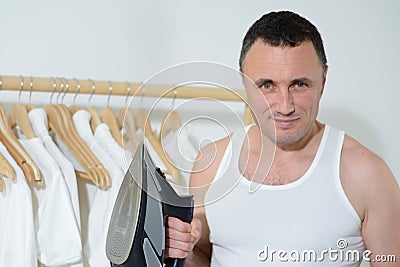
(132, 40)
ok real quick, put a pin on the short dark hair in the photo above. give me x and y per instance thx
(283, 28)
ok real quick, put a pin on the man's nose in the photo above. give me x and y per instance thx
(284, 103)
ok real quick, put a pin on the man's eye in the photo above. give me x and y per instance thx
(267, 86)
(301, 84)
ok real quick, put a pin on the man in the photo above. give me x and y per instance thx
(321, 196)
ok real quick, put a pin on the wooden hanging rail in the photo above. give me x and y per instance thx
(119, 88)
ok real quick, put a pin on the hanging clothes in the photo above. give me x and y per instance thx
(17, 236)
(153, 153)
(39, 123)
(38, 119)
(182, 152)
(101, 201)
(89, 206)
(58, 239)
(120, 156)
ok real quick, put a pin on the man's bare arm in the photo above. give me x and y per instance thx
(375, 194)
(197, 249)
(381, 225)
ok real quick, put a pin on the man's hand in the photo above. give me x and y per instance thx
(181, 237)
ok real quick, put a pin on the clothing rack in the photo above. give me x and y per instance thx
(39, 84)
(74, 86)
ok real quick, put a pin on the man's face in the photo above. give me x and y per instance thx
(291, 81)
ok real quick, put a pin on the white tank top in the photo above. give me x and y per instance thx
(308, 222)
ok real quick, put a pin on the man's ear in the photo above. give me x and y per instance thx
(324, 78)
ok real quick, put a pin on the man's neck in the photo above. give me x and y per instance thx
(267, 163)
(307, 141)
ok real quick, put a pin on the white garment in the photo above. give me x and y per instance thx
(182, 153)
(38, 119)
(58, 239)
(120, 156)
(101, 202)
(177, 184)
(152, 152)
(65, 151)
(86, 193)
(5, 197)
(17, 234)
(311, 213)
(127, 142)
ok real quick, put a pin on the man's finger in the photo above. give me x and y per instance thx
(175, 253)
(184, 246)
(179, 236)
(177, 224)
(196, 228)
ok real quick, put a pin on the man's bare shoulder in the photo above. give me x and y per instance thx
(365, 176)
(211, 154)
(362, 164)
(207, 162)
(375, 195)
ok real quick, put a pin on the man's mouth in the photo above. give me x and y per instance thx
(285, 123)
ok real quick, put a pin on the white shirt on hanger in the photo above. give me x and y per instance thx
(102, 204)
(158, 162)
(58, 239)
(152, 152)
(86, 194)
(120, 156)
(5, 198)
(64, 149)
(182, 153)
(38, 119)
(18, 242)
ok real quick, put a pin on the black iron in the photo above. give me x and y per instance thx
(136, 235)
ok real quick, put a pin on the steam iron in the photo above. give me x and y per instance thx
(136, 233)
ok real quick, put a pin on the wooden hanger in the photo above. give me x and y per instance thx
(95, 119)
(16, 150)
(56, 123)
(104, 178)
(6, 169)
(22, 158)
(74, 108)
(171, 121)
(60, 121)
(126, 120)
(30, 106)
(143, 122)
(18, 115)
(108, 117)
